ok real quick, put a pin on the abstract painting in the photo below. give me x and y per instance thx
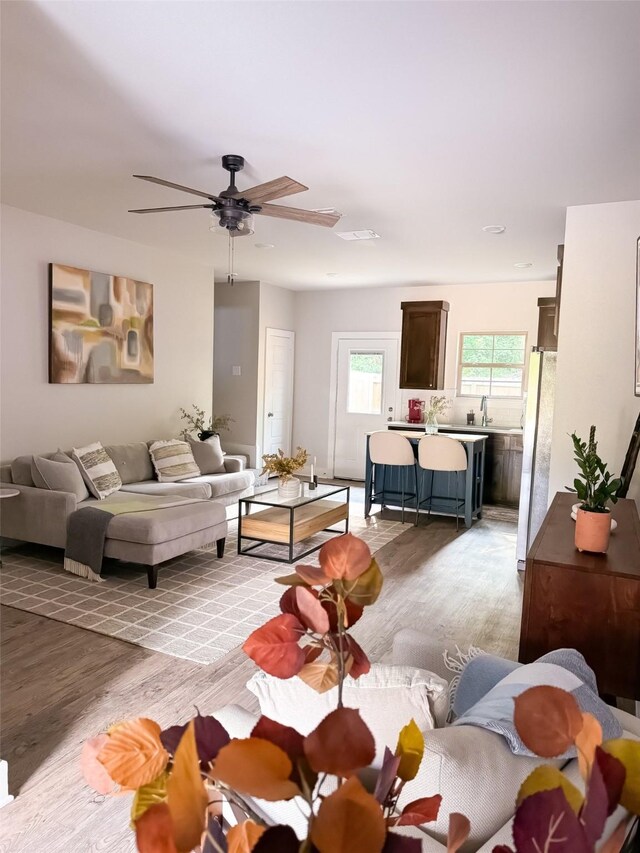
(101, 328)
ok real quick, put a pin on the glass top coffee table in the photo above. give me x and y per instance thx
(266, 519)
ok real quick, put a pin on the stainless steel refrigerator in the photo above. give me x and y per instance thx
(536, 456)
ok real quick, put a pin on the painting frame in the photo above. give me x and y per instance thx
(637, 359)
(100, 328)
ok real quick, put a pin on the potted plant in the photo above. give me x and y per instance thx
(283, 467)
(197, 423)
(595, 488)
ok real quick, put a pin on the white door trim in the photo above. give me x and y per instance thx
(269, 334)
(336, 337)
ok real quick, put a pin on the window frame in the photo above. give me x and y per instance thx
(523, 365)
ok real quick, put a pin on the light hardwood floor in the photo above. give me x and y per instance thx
(62, 684)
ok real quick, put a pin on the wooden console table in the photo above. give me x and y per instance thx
(590, 602)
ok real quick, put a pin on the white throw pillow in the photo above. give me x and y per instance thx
(388, 697)
(97, 469)
(173, 460)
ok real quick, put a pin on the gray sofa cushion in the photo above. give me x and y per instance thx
(224, 484)
(132, 461)
(208, 455)
(183, 490)
(21, 471)
(60, 474)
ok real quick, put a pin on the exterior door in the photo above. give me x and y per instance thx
(367, 396)
(278, 391)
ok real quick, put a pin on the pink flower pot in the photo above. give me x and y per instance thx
(593, 530)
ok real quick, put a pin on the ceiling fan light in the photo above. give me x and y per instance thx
(242, 227)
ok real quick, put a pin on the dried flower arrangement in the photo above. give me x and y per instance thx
(197, 422)
(180, 775)
(438, 405)
(284, 466)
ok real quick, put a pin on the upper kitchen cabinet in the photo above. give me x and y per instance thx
(424, 337)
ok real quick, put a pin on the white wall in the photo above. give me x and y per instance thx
(474, 307)
(39, 417)
(596, 337)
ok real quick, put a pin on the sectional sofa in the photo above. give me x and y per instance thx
(196, 516)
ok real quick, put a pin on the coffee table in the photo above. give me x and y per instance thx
(265, 518)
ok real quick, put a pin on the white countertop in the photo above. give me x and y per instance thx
(475, 428)
(416, 434)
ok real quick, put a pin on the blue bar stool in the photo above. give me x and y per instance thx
(389, 449)
(439, 453)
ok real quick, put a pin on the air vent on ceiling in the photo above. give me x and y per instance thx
(358, 235)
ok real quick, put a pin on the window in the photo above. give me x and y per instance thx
(492, 364)
(365, 383)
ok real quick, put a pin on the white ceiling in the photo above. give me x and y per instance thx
(421, 120)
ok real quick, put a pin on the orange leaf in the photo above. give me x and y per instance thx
(340, 744)
(587, 739)
(242, 837)
(134, 755)
(274, 646)
(459, 829)
(548, 720)
(345, 557)
(93, 770)
(186, 795)
(255, 767)
(312, 575)
(349, 821)
(320, 676)
(154, 830)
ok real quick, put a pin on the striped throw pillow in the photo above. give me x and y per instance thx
(173, 460)
(97, 469)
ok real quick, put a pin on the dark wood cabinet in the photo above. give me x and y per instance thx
(547, 337)
(588, 602)
(424, 335)
(504, 469)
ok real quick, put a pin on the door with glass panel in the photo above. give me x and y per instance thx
(367, 392)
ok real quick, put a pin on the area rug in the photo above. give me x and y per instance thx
(202, 609)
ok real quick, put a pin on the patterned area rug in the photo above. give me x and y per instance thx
(202, 609)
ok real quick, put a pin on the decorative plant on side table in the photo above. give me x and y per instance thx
(197, 423)
(438, 405)
(181, 775)
(283, 467)
(595, 488)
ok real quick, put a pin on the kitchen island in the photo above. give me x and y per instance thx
(430, 483)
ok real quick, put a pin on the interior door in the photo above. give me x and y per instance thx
(367, 395)
(278, 391)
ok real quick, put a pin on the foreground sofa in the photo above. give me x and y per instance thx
(196, 518)
(472, 768)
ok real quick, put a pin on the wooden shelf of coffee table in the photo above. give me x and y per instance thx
(272, 524)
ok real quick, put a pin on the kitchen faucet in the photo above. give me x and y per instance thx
(483, 408)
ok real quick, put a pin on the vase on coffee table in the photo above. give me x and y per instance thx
(289, 487)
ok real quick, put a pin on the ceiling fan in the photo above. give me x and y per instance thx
(234, 208)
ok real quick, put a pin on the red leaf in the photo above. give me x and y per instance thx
(593, 814)
(311, 653)
(386, 776)
(277, 839)
(613, 776)
(341, 744)
(313, 575)
(361, 664)
(287, 738)
(459, 828)
(304, 605)
(502, 848)
(211, 736)
(274, 646)
(354, 612)
(546, 821)
(401, 844)
(154, 830)
(420, 811)
(345, 557)
(547, 719)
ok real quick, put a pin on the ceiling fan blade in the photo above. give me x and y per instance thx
(278, 188)
(163, 209)
(299, 215)
(176, 186)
